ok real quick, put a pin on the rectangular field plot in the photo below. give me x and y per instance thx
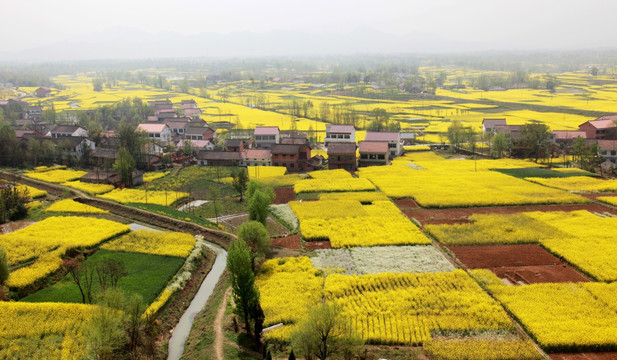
(408, 308)
(518, 264)
(561, 317)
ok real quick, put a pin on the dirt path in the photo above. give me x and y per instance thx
(219, 334)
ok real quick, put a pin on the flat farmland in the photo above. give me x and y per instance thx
(528, 263)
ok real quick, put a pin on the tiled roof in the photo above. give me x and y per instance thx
(218, 155)
(285, 149)
(567, 134)
(382, 136)
(342, 148)
(256, 154)
(373, 147)
(151, 128)
(340, 129)
(266, 130)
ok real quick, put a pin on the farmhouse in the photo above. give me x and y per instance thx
(393, 139)
(43, 91)
(256, 157)
(156, 131)
(73, 145)
(342, 156)
(294, 157)
(602, 128)
(196, 132)
(374, 153)
(218, 158)
(266, 136)
(340, 133)
(566, 138)
(608, 150)
(237, 145)
(488, 125)
(66, 131)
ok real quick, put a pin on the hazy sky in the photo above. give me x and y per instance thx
(519, 24)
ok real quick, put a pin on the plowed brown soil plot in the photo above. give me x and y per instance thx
(284, 195)
(289, 242)
(518, 263)
(585, 356)
(406, 203)
(458, 215)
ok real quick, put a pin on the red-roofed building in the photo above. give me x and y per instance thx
(342, 156)
(566, 137)
(267, 136)
(256, 157)
(374, 153)
(340, 133)
(392, 138)
(602, 128)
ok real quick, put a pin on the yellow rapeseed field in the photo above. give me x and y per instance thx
(259, 172)
(153, 242)
(405, 308)
(57, 176)
(349, 223)
(48, 240)
(44, 330)
(577, 183)
(559, 316)
(485, 348)
(333, 184)
(288, 287)
(72, 206)
(92, 189)
(159, 197)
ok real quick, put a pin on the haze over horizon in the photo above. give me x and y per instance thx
(77, 30)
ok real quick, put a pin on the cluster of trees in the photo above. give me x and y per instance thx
(12, 203)
(128, 111)
(515, 80)
(586, 156)
(535, 141)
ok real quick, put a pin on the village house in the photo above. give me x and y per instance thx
(408, 138)
(178, 127)
(488, 125)
(266, 136)
(393, 139)
(295, 157)
(196, 145)
(342, 156)
(256, 157)
(196, 132)
(67, 131)
(74, 146)
(602, 128)
(218, 158)
(34, 113)
(608, 150)
(188, 104)
(565, 138)
(237, 145)
(373, 153)
(43, 91)
(340, 133)
(159, 132)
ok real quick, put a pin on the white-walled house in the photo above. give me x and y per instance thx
(340, 133)
(67, 131)
(155, 131)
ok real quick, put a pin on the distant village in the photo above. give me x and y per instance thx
(179, 127)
